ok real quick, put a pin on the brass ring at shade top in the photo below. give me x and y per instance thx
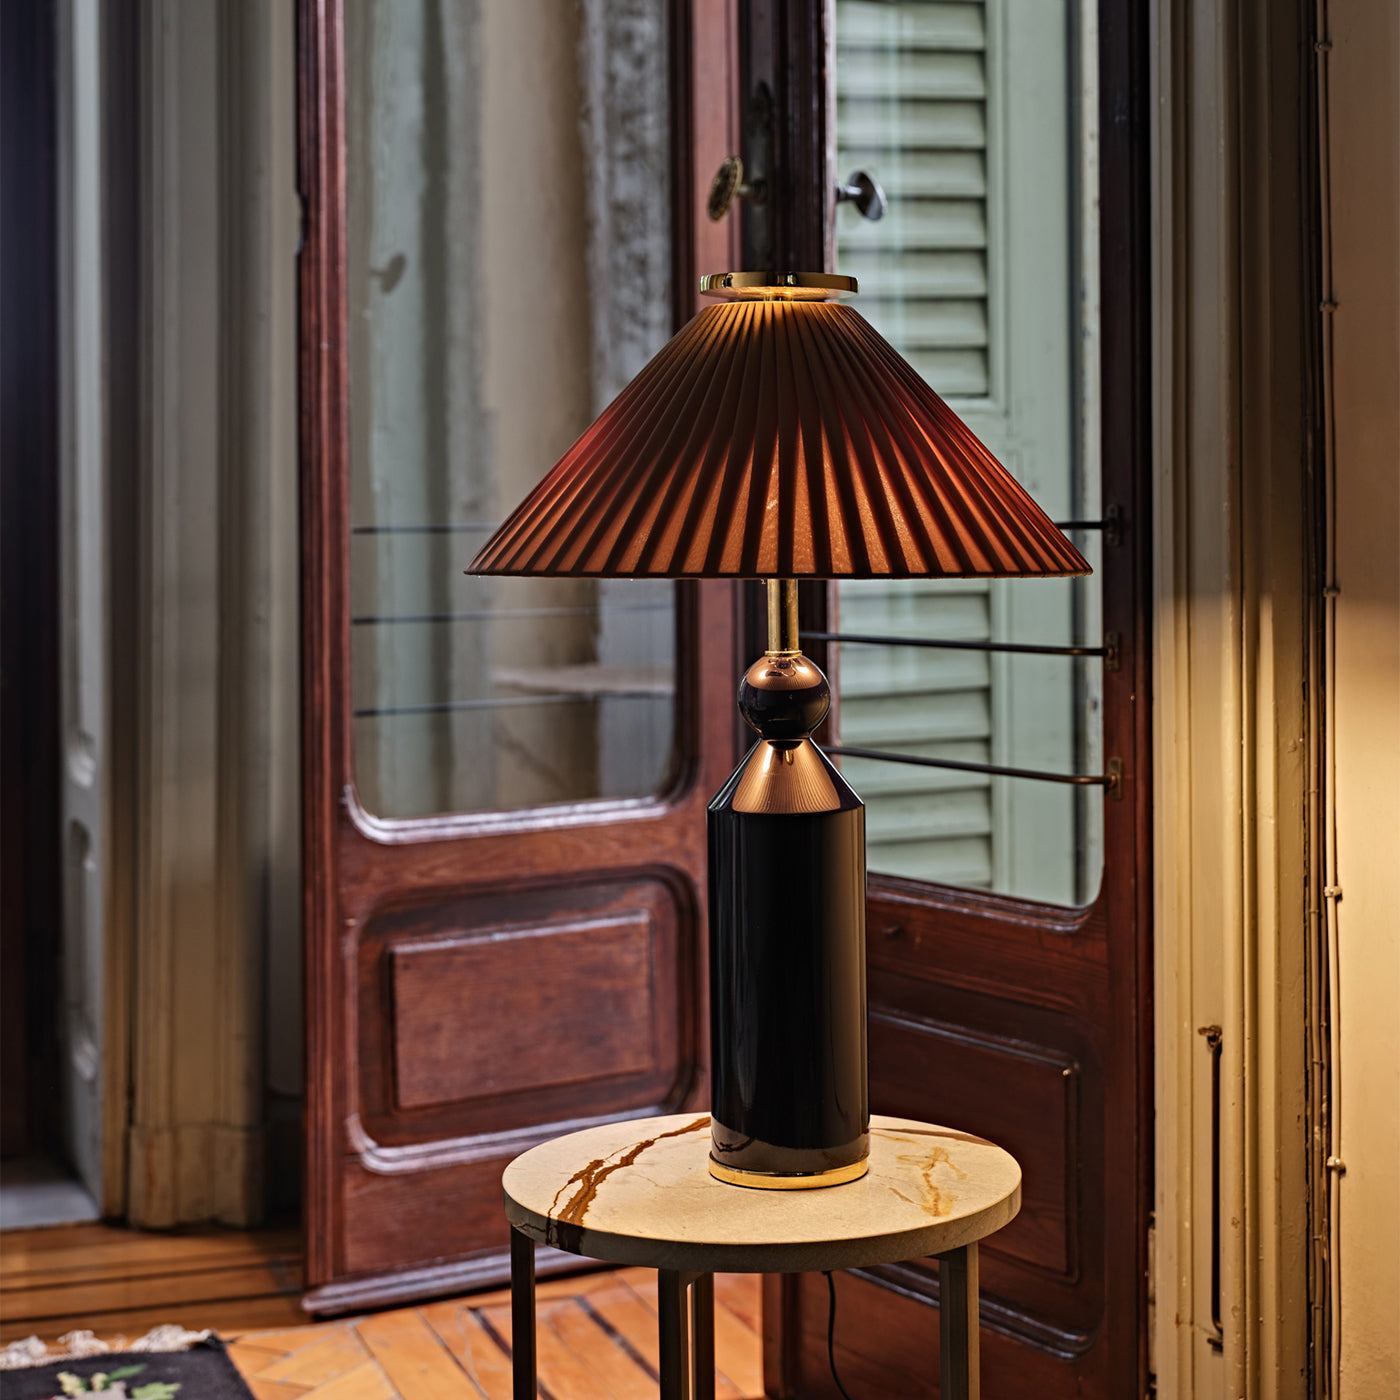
(791, 286)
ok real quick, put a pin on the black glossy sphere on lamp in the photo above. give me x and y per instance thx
(779, 436)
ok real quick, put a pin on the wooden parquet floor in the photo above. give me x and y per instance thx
(117, 1281)
(597, 1332)
(596, 1341)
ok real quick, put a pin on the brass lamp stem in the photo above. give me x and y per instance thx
(782, 617)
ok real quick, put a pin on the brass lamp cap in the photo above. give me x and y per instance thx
(776, 286)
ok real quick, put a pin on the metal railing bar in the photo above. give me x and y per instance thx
(1023, 648)
(486, 614)
(1104, 780)
(435, 707)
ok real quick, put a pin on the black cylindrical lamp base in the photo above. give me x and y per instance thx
(790, 1102)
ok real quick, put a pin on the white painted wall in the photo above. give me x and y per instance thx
(1364, 149)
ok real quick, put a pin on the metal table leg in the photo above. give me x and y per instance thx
(958, 1362)
(674, 1329)
(702, 1318)
(522, 1315)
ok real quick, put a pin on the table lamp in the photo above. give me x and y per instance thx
(779, 436)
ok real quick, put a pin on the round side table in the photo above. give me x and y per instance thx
(640, 1193)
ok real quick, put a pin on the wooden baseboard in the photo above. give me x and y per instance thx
(439, 1280)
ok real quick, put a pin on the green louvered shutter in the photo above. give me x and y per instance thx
(970, 275)
(912, 108)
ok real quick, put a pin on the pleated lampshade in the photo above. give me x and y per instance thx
(779, 436)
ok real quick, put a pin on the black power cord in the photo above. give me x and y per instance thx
(831, 1335)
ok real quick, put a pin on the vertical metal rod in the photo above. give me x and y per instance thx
(673, 1329)
(959, 1365)
(782, 615)
(702, 1321)
(522, 1315)
(1215, 1040)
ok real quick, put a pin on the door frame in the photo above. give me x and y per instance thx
(344, 846)
(1120, 920)
(1237, 720)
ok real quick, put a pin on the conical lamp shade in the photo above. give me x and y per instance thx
(779, 438)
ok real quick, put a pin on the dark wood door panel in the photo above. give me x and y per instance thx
(574, 935)
(446, 853)
(1046, 1096)
(447, 1211)
(509, 1010)
(1030, 1079)
(1036, 954)
(990, 1016)
(420, 1233)
(887, 1345)
(460, 1006)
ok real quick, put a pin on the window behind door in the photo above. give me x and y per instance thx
(980, 122)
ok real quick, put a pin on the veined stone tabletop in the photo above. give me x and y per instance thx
(640, 1193)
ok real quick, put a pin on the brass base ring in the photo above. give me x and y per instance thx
(773, 1181)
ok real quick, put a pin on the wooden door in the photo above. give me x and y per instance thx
(505, 940)
(1023, 1019)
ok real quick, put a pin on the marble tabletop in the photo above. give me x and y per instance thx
(640, 1193)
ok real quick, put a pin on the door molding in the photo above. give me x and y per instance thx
(91, 1022)
(1235, 621)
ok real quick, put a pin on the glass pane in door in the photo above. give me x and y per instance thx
(979, 121)
(509, 271)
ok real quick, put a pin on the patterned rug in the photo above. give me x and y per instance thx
(168, 1364)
